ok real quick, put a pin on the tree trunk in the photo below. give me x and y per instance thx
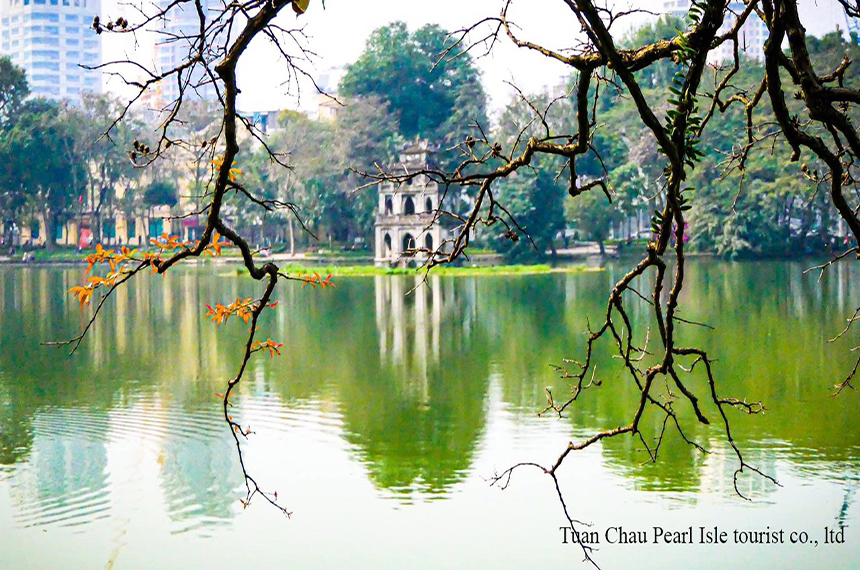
(50, 224)
(292, 238)
(602, 248)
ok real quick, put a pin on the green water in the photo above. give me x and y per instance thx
(386, 413)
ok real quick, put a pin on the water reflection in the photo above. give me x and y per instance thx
(404, 377)
(65, 479)
(416, 414)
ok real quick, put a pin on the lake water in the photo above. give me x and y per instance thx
(386, 413)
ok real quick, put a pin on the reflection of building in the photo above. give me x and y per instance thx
(750, 39)
(719, 472)
(65, 478)
(406, 225)
(50, 40)
(409, 323)
(410, 315)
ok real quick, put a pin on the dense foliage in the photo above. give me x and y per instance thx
(403, 88)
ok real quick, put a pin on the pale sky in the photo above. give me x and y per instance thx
(338, 34)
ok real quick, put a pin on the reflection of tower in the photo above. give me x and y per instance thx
(406, 218)
(409, 324)
(410, 316)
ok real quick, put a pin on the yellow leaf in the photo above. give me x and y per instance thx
(300, 6)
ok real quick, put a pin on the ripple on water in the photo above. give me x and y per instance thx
(79, 507)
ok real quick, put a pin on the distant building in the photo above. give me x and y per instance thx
(327, 105)
(406, 228)
(50, 40)
(751, 37)
(174, 46)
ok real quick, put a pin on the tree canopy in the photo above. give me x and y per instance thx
(434, 95)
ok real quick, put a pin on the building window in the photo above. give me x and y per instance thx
(109, 229)
(73, 42)
(408, 206)
(34, 230)
(386, 246)
(428, 242)
(132, 229)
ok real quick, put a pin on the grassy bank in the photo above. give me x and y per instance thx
(371, 271)
(70, 255)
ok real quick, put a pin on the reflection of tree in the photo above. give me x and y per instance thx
(410, 373)
(416, 418)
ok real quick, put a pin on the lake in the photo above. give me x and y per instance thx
(387, 412)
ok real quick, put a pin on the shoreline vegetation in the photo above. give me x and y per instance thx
(584, 258)
(338, 267)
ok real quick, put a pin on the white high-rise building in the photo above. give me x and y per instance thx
(751, 38)
(50, 40)
(173, 48)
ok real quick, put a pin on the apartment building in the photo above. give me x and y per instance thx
(51, 40)
(173, 45)
(751, 38)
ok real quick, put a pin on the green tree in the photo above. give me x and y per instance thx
(13, 88)
(112, 177)
(45, 163)
(434, 96)
(161, 192)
